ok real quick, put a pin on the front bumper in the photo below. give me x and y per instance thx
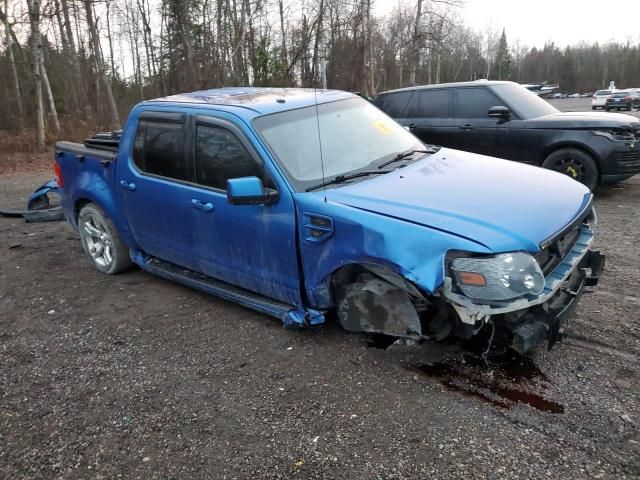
(547, 321)
(618, 160)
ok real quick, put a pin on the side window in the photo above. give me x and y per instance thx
(475, 102)
(220, 156)
(394, 104)
(158, 149)
(429, 104)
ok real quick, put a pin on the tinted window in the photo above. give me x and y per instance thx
(475, 102)
(220, 156)
(393, 104)
(158, 149)
(522, 102)
(603, 92)
(429, 104)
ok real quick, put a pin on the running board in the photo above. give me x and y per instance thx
(289, 314)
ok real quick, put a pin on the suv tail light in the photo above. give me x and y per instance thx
(58, 173)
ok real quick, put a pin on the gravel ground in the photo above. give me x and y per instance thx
(131, 376)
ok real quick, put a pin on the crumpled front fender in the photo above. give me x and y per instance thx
(414, 252)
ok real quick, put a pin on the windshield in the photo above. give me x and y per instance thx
(526, 104)
(353, 133)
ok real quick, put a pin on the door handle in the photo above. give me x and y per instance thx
(199, 205)
(465, 127)
(129, 186)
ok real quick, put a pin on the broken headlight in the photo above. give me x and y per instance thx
(615, 134)
(498, 278)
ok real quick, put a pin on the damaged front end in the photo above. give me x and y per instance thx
(567, 265)
(526, 297)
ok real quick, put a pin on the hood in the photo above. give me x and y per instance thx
(499, 204)
(585, 120)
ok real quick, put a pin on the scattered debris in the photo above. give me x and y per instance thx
(39, 207)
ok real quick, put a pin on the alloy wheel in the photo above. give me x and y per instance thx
(98, 240)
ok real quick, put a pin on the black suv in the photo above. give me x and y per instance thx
(504, 119)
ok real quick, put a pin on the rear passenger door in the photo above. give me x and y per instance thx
(251, 246)
(478, 133)
(428, 116)
(154, 188)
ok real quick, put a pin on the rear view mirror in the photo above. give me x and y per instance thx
(249, 191)
(499, 111)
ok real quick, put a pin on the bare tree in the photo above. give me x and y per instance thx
(36, 53)
(114, 118)
(12, 64)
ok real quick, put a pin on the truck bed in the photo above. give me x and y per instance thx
(82, 152)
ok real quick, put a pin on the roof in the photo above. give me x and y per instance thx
(255, 99)
(449, 85)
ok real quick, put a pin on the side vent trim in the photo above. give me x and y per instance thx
(317, 228)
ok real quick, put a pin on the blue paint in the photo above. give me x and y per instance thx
(289, 249)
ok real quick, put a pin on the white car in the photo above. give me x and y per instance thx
(599, 99)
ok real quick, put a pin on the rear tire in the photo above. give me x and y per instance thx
(101, 242)
(576, 164)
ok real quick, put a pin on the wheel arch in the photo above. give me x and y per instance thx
(108, 208)
(347, 273)
(571, 145)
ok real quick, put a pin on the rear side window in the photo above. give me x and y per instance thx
(429, 104)
(159, 150)
(475, 102)
(221, 156)
(393, 104)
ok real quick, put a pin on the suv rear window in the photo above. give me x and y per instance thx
(393, 104)
(430, 103)
(603, 92)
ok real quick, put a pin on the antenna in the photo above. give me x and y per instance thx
(315, 96)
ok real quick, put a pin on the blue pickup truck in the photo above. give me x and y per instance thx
(297, 203)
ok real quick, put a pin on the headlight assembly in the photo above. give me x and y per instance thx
(498, 278)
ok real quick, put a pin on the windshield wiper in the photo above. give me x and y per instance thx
(348, 176)
(408, 153)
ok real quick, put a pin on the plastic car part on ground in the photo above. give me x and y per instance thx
(39, 207)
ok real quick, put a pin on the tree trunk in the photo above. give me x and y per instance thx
(316, 46)
(110, 40)
(50, 99)
(36, 53)
(415, 45)
(114, 118)
(71, 56)
(283, 50)
(222, 49)
(12, 66)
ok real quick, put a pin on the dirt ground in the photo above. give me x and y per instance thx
(132, 376)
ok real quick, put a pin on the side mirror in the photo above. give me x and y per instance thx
(499, 111)
(249, 191)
